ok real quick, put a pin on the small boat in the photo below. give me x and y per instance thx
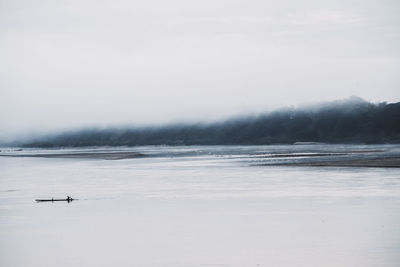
(68, 199)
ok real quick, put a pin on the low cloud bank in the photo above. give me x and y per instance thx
(346, 121)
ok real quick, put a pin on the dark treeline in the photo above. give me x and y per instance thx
(349, 121)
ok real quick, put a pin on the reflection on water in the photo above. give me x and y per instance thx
(200, 206)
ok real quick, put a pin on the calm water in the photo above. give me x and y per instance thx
(200, 206)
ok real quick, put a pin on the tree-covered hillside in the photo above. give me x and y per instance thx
(349, 121)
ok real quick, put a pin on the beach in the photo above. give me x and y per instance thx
(369, 163)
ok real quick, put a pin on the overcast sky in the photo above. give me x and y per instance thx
(90, 62)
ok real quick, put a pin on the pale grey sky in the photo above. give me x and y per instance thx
(69, 63)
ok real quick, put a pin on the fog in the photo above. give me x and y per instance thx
(346, 121)
(73, 64)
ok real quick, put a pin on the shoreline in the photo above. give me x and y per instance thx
(85, 155)
(390, 162)
(375, 158)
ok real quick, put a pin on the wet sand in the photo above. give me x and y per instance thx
(392, 162)
(324, 158)
(85, 155)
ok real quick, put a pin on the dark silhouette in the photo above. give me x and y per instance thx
(68, 199)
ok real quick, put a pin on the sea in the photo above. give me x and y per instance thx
(193, 206)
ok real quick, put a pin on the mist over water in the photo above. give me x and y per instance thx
(71, 64)
(352, 120)
(189, 133)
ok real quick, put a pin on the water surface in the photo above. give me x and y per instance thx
(200, 206)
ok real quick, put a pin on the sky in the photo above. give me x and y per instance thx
(67, 64)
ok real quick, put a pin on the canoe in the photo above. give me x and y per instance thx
(54, 199)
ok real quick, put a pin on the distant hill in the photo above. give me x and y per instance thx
(347, 121)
